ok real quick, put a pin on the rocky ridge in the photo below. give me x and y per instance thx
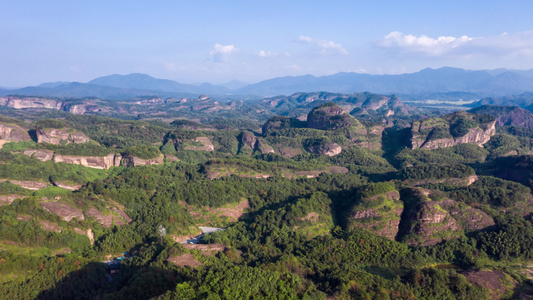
(454, 129)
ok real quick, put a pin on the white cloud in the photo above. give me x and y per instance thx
(220, 52)
(264, 53)
(501, 46)
(325, 47)
(422, 44)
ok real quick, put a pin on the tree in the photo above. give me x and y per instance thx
(162, 232)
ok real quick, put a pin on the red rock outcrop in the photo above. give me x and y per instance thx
(29, 102)
(132, 161)
(64, 211)
(56, 136)
(30, 185)
(42, 155)
(12, 133)
(97, 162)
(104, 220)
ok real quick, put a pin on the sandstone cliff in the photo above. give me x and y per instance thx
(248, 139)
(30, 185)
(42, 155)
(379, 213)
(12, 133)
(263, 147)
(132, 161)
(64, 211)
(57, 136)
(468, 217)
(427, 222)
(30, 102)
(450, 130)
(97, 162)
(20, 102)
(327, 148)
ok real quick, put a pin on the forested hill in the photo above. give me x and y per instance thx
(323, 196)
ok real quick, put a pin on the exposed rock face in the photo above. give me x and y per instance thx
(36, 102)
(132, 161)
(206, 145)
(7, 199)
(263, 148)
(475, 136)
(185, 260)
(70, 187)
(48, 226)
(97, 162)
(329, 149)
(248, 139)
(436, 133)
(12, 133)
(29, 102)
(42, 155)
(64, 211)
(89, 233)
(371, 139)
(330, 116)
(427, 222)
(206, 249)
(56, 136)
(452, 181)
(104, 220)
(468, 217)
(380, 214)
(496, 281)
(30, 185)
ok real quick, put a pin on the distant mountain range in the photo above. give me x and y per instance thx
(443, 81)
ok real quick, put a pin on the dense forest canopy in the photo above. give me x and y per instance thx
(321, 197)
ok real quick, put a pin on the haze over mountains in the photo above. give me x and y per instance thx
(484, 83)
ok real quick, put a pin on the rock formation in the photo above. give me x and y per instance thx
(12, 133)
(56, 136)
(379, 214)
(331, 116)
(64, 211)
(468, 217)
(97, 162)
(132, 161)
(248, 139)
(42, 155)
(29, 102)
(263, 148)
(104, 220)
(30, 185)
(328, 149)
(450, 130)
(427, 222)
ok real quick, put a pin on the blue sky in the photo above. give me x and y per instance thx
(218, 41)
